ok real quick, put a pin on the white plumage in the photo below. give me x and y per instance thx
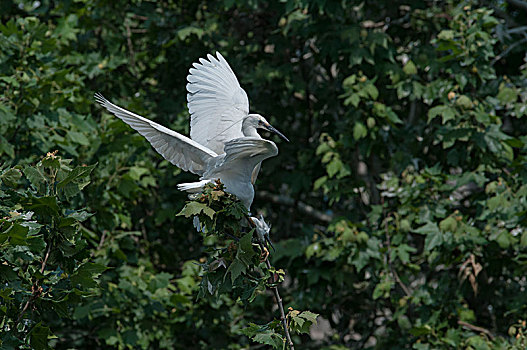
(224, 144)
(262, 230)
(216, 102)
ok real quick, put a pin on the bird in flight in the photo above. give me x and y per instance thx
(224, 143)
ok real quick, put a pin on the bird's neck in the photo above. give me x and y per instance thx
(250, 131)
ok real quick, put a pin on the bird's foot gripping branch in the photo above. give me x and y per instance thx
(234, 264)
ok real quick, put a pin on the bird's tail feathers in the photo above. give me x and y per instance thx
(193, 187)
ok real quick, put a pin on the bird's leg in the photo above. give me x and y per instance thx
(265, 253)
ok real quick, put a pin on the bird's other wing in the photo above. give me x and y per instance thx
(255, 173)
(216, 102)
(245, 153)
(174, 147)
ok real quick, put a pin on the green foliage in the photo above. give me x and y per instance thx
(45, 268)
(398, 208)
(267, 334)
(236, 262)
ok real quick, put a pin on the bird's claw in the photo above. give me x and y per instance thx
(265, 254)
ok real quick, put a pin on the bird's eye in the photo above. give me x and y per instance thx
(260, 122)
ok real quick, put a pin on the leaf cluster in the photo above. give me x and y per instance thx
(45, 267)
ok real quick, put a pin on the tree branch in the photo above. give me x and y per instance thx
(276, 293)
(45, 259)
(475, 328)
(290, 202)
(130, 46)
(506, 52)
(36, 290)
(519, 4)
(390, 264)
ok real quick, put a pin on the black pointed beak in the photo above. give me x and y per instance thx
(270, 243)
(273, 130)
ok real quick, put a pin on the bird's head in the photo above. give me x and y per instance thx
(257, 121)
(262, 226)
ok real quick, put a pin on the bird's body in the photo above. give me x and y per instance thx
(224, 143)
(235, 167)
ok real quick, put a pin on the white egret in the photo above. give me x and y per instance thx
(225, 144)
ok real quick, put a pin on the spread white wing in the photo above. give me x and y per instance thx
(216, 102)
(174, 147)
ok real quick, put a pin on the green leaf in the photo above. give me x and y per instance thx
(39, 337)
(410, 68)
(353, 99)
(507, 95)
(6, 147)
(46, 206)
(421, 330)
(195, 208)
(448, 224)
(17, 234)
(309, 316)
(10, 177)
(136, 172)
(79, 138)
(79, 215)
(446, 112)
(428, 228)
(188, 31)
(477, 342)
(245, 248)
(446, 34)
(86, 274)
(52, 162)
(359, 131)
(264, 335)
(334, 167)
(392, 116)
(75, 174)
(6, 114)
(372, 91)
(464, 102)
(35, 177)
(236, 268)
(434, 237)
(301, 322)
(320, 182)
(5, 294)
(523, 240)
(382, 289)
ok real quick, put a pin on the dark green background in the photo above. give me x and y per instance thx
(398, 208)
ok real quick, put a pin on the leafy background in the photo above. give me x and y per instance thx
(398, 209)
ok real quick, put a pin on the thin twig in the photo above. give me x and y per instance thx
(518, 3)
(143, 18)
(290, 202)
(276, 294)
(140, 31)
(130, 45)
(506, 52)
(45, 259)
(101, 242)
(24, 309)
(392, 269)
(36, 290)
(476, 328)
